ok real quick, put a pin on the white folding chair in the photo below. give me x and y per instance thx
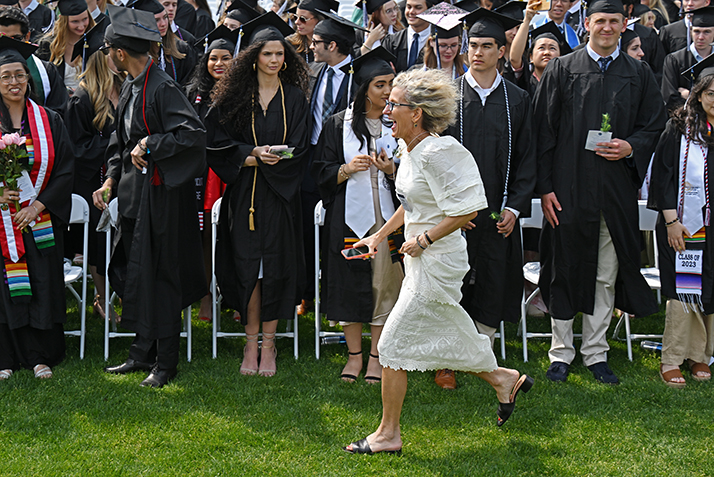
(648, 222)
(292, 326)
(79, 215)
(319, 216)
(109, 299)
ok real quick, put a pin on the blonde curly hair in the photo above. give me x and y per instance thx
(434, 93)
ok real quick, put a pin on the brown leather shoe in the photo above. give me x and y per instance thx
(446, 378)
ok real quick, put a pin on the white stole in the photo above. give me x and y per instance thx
(693, 188)
(359, 210)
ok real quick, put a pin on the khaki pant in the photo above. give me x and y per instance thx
(594, 346)
(687, 335)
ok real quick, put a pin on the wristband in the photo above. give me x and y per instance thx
(669, 224)
(428, 239)
(419, 243)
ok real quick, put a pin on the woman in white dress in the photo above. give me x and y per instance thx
(439, 186)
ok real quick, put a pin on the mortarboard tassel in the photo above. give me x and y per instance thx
(349, 82)
(162, 60)
(84, 53)
(464, 40)
(438, 51)
(240, 37)
(205, 45)
(282, 8)
(364, 17)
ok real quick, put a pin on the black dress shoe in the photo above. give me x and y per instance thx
(505, 409)
(130, 366)
(603, 373)
(362, 447)
(159, 377)
(558, 371)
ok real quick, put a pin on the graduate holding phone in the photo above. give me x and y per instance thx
(354, 170)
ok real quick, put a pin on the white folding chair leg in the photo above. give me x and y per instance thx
(83, 326)
(503, 341)
(295, 334)
(187, 326)
(627, 335)
(107, 297)
(318, 319)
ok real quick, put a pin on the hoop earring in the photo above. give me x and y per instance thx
(415, 124)
(253, 66)
(370, 105)
(285, 67)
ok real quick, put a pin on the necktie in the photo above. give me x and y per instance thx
(604, 63)
(414, 51)
(327, 102)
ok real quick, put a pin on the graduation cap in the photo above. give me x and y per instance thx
(640, 9)
(153, 6)
(551, 30)
(220, 38)
(71, 7)
(513, 9)
(316, 5)
(701, 69)
(250, 3)
(368, 7)
(606, 6)
(703, 17)
(336, 28)
(14, 51)
(627, 37)
(241, 12)
(8, 3)
(376, 62)
(468, 5)
(90, 42)
(446, 21)
(267, 27)
(489, 24)
(131, 29)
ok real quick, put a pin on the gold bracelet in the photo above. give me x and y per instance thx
(342, 173)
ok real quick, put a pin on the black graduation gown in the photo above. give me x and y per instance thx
(664, 195)
(190, 39)
(398, 45)
(277, 238)
(164, 272)
(181, 70)
(40, 321)
(90, 146)
(347, 284)
(185, 16)
(40, 18)
(204, 23)
(672, 78)
(57, 97)
(673, 36)
(201, 106)
(570, 100)
(493, 288)
(652, 48)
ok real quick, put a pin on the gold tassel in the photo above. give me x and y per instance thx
(251, 223)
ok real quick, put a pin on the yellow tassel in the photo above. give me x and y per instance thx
(251, 222)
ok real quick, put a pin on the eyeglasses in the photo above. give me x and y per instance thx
(317, 42)
(105, 49)
(20, 78)
(300, 19)
(709, 94)
(390, 106)
(449, 47)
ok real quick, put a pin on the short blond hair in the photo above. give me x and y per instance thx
(432, 91)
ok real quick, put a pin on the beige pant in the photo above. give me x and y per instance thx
(488, 331)
(687, 335)
(594, 346)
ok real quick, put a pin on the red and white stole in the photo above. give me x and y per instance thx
(13, 248)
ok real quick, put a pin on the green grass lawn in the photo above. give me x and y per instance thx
(213, 421)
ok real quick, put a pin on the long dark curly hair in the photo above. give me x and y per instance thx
(692, 115)
(201, 82)
(235, 91)
(359, 119)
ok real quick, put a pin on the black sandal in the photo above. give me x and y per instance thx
(362, 447)
(350, 378)
(373, 379)
(505, 409)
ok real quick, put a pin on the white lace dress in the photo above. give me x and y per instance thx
(428, 329)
